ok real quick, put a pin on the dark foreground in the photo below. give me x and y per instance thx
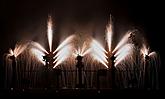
(136, 93)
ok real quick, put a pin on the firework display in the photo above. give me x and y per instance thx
(83, 62)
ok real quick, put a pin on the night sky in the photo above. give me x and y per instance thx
(27, 20)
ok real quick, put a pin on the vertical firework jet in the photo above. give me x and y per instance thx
(48, 56)
(56, 57)
(68, 49)
(109, 35)
(121, 51)
(50, 33)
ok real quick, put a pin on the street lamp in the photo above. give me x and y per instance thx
(146, 77)
(49, 59)
(13, 83)
(113, 69)
(79, 66)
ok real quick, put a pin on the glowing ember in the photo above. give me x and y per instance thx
(50, 33)
(39, 54)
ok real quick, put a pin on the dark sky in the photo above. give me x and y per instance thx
(26, 19)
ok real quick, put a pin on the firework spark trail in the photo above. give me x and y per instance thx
(123, 53)
(20, 52)
(152, 66)
(98, 52)
(65, 42)
(126, 62)
(152, 54)
(98, 49)
(96, 57)
(39, 54)
(50, 38)
(144, 50)
(122, 41)
(85, 50)
(50, 33)
(109, 35)
(62, 51)
(31, 65)
(11, 53)
(82, 51)
(37, 45)
(62, 55)
(19, 48)
(98, 46)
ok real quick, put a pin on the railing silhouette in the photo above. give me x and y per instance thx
(94, 79)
